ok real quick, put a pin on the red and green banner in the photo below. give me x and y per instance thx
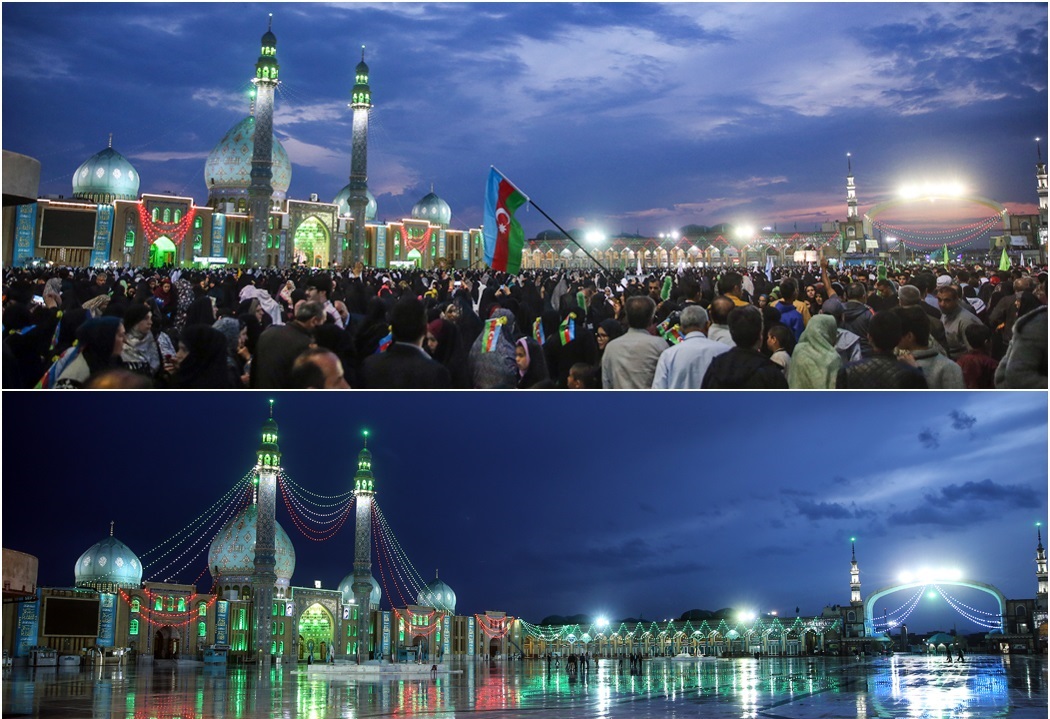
(504, 238)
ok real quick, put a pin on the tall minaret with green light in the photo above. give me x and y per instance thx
(1040, 567)
(364, 490)
(854, 577)
(264, 578)
(260, 191)
(361, 103)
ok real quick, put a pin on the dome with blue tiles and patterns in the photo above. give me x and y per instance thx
(108, 565)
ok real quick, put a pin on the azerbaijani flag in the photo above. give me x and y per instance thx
(504, 238)
(537, 330)
(385, 343)
(490, 333)
(567, 329)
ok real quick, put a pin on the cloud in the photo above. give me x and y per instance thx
(162, 156)
(929, 439)
(1015, 495)
(752, 182)
(961, 420)
(831, 510)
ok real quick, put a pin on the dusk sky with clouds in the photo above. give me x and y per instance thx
(617, 117)
(625, 505)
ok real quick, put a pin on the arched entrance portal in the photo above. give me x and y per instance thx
(165, 644)
(162, 252)
(311, 243)
(869, 603)
(414, 257)
(316, 629)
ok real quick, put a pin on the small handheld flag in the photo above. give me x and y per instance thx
(537, 331)
(385, 343)
(567, 329)
(490, 333)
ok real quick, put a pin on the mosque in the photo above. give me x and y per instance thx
(252, 611)
(107, 221)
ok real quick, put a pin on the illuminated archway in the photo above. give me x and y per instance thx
(869, 603)
(162, 252)
(316, 631)
(956, 236)
(310, 245)
(415, 257)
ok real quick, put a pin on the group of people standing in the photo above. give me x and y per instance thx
(804, 327)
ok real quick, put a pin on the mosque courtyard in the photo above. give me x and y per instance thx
(777, 688)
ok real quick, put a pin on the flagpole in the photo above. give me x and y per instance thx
(551, 220)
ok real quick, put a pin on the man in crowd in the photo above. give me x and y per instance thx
(279, 345)
(955, 320)
(405, 364)
(684, 365)
(939, 371)
(630, 360)
(881, 369)
(744, 367)
(318, 368)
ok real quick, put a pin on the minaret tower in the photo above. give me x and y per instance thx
(364, 490)
(264, 578)
(854, 577)
(851, 191)
(361, 103)
(260, 191)
(1040, 180)
(1040, 567)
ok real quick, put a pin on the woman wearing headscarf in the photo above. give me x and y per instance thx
(141, 351)
(201, 361)
(532, 367)
(495, 369)
(815, 363)
(201, 312)
(99, 344)
(443, 344)
(183, 300)
(236, 335)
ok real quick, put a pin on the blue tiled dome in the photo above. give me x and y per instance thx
(433, 209)
(347, 588)
(438, 595)
(227, 173)
(232, 552)
(106, 176)
(343, 201)
(108, 565)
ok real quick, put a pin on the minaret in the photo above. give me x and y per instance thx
(854, 577)
(361, 103)
(264, 578)
(1040, 181)
(851, 191)
(260, 191)
(1040, 567)
(364, 489)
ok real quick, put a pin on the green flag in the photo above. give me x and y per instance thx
(946, 259)
(1004, 262)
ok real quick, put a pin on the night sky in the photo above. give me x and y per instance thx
(612, 117)
(626, 505)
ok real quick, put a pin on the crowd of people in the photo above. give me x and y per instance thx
(804, 327)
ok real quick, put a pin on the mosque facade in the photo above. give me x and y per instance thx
(249, 218)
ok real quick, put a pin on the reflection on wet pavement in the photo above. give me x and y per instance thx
(788, 688)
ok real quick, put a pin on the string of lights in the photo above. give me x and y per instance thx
(418, 582)
(339, 498)
(151, 617)
(210, 532)
(380, 550)
(382, 532)
(240, 486)
(885, 623)
(937, 239)
(494, 627)
(995, 615)
(300, 524)
(317, 517)
(959, 607)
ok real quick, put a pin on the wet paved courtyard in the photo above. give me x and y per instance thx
(795, 688)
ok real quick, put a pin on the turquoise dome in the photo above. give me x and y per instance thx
(343, 201)
(433, 209)
(108, 565)
(106, 176)
(438, 595)
(227, 173)
(232, 551)
(347, 588)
